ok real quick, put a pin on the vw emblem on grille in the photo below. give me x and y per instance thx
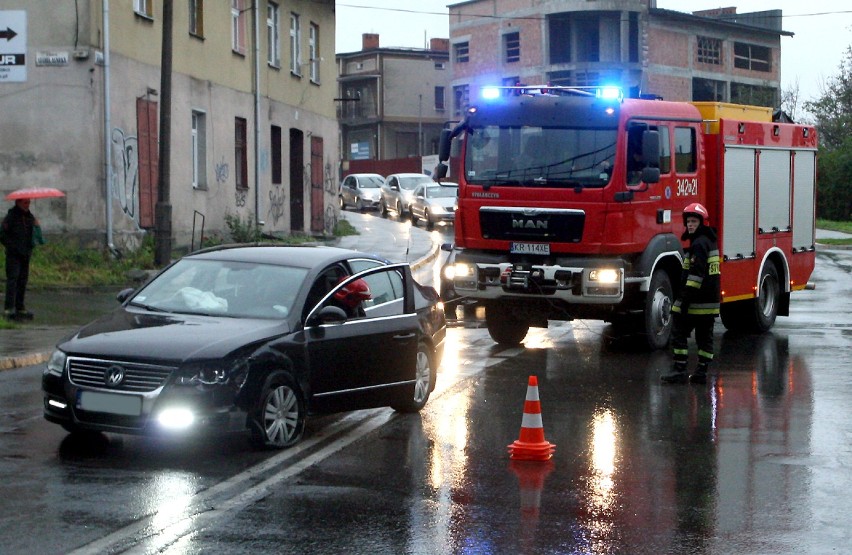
(114, 375)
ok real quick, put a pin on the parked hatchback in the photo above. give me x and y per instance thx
(362, 191)
(398, 192)
(434, 203)
(251, 338)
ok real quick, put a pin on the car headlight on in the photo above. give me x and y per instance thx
(56, 364)
(175, 418)
(604, 276)
(201, 374)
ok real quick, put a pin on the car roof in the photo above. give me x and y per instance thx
(409, 174)
(302, 256)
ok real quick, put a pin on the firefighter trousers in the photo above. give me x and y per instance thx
(683, 326)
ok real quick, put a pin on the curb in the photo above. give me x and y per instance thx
(19, 361)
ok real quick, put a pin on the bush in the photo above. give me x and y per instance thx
(834, 195)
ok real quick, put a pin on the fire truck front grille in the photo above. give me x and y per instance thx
(525, 224)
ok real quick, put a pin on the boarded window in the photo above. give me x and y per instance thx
(241, 153)
(512, 47)
(461, 52)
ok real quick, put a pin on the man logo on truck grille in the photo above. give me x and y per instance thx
(114, 375)
(529, 224)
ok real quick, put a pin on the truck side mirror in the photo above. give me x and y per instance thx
(445, 145)
(650, 175)
(440, 171)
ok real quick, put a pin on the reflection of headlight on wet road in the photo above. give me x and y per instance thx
(176, 418)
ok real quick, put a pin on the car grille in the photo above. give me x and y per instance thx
(524, 224)
(137, 377)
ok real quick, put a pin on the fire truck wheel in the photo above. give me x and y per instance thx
(765, 307)
(658, 311)
(504, 327)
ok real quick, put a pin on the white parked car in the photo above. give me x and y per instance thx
(361, 190)
(434, 203)
(398, 191)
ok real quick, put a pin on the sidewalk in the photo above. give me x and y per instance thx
(60, 313)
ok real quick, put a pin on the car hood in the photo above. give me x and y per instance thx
(174, 337)
(447, 203)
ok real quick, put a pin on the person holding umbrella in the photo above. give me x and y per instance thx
(19, 232)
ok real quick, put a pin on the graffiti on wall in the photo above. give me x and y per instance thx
(222, 171)
(125, 171)
(277, 204)
(331, 206)
(240, 197)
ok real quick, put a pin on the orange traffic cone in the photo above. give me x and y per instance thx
(531, 445)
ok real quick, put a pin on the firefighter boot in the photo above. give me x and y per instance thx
(677, 374)
(700, 374)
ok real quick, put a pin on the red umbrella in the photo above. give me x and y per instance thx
(35, 192)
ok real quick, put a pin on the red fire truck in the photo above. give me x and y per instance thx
(570, 206)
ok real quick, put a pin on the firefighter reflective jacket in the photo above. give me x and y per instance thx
(699, 283)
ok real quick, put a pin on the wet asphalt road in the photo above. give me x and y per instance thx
(755, 462)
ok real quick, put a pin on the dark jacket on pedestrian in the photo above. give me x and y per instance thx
(699, 284)
(16, 231)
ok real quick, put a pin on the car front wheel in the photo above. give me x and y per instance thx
(424, 382)
(279, 416)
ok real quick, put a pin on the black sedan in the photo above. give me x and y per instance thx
(251, 337)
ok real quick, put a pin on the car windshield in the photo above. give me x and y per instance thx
(539, 156)
(223, 288)
(441, 191)
(411, 183)
(371, 182)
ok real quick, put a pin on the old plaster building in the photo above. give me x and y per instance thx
(393, 101)
(253, 124)
(715, 55)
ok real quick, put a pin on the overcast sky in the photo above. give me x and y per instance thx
(823, 30)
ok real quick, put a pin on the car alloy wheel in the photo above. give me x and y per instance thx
(424, 382)
(280, 418)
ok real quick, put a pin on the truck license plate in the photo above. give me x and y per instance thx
(529, 248)
(112, 403)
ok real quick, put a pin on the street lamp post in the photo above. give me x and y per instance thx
(163, 208)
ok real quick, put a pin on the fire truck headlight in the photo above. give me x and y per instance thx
(603, 276)
(463, 270)
(449, 272)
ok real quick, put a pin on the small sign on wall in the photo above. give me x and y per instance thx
(51, 58)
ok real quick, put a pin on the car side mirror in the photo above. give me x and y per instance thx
(124, 294)
(327, 315)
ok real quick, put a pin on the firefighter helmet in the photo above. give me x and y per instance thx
(353, 293)
(696, 209)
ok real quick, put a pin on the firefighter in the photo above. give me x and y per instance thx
(697, 303)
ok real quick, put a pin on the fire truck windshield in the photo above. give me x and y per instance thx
(539, 156)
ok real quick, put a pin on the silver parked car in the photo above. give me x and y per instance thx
(434, 203)
(361, 190)
(398, 191)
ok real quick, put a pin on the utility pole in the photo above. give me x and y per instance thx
(163, 209)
